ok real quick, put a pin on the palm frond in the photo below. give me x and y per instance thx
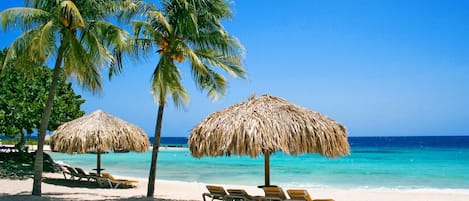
(24, 18)
(144, 30)
(166, 79)
(35, 45)
(231, 65)
(100, 55)
(219, 41)
(83, 62)
(43, 5)
(157, 18)
(71, 16)
(115, 39)
(196, 63)
(42, 45)
(212, 82)
(125, 10)
(146, 37)
(182, 16)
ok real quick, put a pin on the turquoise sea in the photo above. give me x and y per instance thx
(375, 162)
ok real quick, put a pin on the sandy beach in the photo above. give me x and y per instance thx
(175, 190)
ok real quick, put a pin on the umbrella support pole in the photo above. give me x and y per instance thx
(98, 168)
(267, 168)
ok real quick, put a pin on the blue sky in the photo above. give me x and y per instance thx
(380, 67)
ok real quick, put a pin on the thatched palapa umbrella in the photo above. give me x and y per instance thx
(98, 132)
(265, 125)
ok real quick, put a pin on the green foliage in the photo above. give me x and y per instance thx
(191, 31)
(80, 37)
(77, 33)
(24, 95)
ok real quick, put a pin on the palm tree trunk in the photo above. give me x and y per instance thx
(39, 160)
(20, 145)
(154, 156)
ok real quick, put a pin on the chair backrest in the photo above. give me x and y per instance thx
(274, 192)
(299, 194)
(81, 171)
(72, 170)
(216, 190)
(239, 193)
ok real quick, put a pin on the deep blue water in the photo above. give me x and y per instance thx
(411, 141)
(407, 141)
(375, 162)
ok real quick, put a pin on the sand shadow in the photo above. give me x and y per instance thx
(71, 183)
(48, 197)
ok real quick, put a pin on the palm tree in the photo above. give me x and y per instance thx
(81, 41)
(187, 33)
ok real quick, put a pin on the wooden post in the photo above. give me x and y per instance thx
(98, 168)
(267, 168)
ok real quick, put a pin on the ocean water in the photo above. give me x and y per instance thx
(375, 162)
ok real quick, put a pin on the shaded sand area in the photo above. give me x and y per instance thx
(57, 189)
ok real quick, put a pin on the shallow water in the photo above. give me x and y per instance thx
(373, 163)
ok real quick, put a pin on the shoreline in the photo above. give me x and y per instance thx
(180, 190)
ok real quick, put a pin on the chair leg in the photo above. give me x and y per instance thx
(206, 195)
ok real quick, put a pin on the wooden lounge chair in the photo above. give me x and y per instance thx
(130, 183)
(85, 174)
(241, 195)
(215, 192)
(303, 195)
(274, 193)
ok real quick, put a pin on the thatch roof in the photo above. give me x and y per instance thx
(98, 131)
(271, 124)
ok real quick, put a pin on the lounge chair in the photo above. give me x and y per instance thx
(71, 172)
(274, 193)
(240, 194)
(85, 174)
(215, 192)
(106, 183)
(130, 183)
(303, 195)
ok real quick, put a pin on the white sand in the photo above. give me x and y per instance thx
(175, 190)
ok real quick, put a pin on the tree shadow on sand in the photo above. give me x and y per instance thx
(73, 196)
(65, 197)
(71, 183)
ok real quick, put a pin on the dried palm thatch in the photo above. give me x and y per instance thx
(98, 132)
(266, 125)
(270, 124)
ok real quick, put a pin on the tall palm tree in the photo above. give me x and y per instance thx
(187, 33)
(81, 41)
